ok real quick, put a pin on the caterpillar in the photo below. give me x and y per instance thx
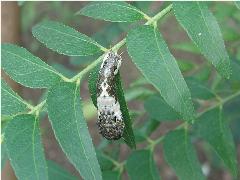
(110, 120)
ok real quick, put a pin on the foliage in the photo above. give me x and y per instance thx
(172, 90)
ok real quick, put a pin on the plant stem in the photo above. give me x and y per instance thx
(120, 44)
(37, 108)
(219, 104)
(159, 15)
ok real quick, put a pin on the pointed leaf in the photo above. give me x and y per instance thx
(27, 69)
(205, 33)
(150, 54)
(11, 102)
(213, 128)
(24, 147)
(158, 109)
(92, 81)
(70, 128)
(112, 11)
(128, 131)
(140, 166)
(181, 156)
(64, 39)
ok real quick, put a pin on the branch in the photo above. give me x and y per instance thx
(151, 21)
(219, 104)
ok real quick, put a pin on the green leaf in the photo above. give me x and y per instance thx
(112, 11)
(92, 83)
(11, 102)
(185, 65)
(111, 175)
(104, 161)
(57, 172)
(142, 5)
(237, 3)
(24, 147)
(69, 73)
(213, 128)
(186, 46)
(70, 128)
(27, 69)
(199, 90)
(64, 39)
(4, 156)
(205, 33)
(150, 54)
(181, 156)
(146, 129)
(150, 126)
(158, 109)
(108, 34)
(140, 166)
(235, 70)
(138, 93)
(128, 135)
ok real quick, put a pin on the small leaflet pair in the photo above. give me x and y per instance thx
(110, 120)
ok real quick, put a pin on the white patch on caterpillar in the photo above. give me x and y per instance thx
(110, 121)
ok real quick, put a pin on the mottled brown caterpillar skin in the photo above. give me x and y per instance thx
(110, 121)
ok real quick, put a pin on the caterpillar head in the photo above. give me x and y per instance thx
(111, 64)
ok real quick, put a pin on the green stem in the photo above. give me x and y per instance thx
(37, 108)
(220, 103)
(160, 15)
(120, 44)
(183, 125)
(79, 76)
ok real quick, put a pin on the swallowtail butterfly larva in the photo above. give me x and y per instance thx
(110, 120)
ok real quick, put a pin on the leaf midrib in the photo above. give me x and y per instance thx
(78, 130)
(223, 137)
(48, 69)
(90, 42)
(186, 150)
(127, 6)
(217, 44)
(168, 70)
